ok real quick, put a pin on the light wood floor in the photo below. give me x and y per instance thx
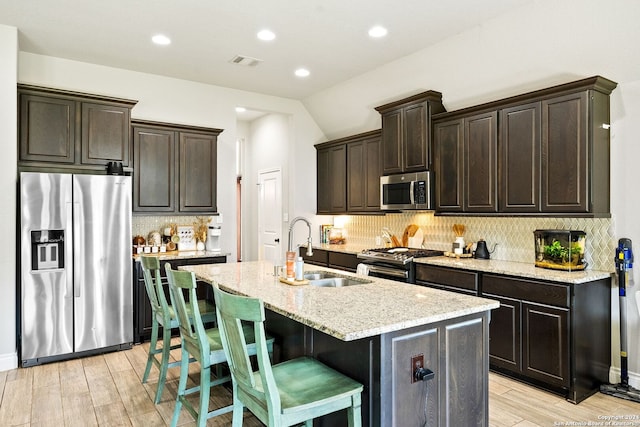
(106, 390)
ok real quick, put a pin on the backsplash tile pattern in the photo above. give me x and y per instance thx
(513, 235)
(143, 225)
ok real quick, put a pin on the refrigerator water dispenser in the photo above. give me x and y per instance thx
(47, 250)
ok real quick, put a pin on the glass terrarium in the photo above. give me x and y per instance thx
(560, 249)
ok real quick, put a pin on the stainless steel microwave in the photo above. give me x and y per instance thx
(406, 191)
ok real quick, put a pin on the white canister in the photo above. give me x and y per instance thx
(458, 245)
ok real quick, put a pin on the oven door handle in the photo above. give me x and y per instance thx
(388, 271)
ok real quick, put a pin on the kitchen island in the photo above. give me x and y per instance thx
(376, 333)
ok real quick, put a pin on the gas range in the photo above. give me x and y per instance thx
(395, 263)
(400, 256)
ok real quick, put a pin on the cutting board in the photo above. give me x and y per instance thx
(293, 282)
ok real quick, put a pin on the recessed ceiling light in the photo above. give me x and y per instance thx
(377, 32)
(161, 39)
(240, 109)
(302, 72)
(266, 35)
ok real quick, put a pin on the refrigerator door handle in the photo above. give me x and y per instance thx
(78, 266)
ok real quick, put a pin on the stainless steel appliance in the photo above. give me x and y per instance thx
(406, 191)
(395, 263)
(75, 257)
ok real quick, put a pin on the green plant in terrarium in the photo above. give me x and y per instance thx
(559, 253)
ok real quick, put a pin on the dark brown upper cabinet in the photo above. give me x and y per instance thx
(406, 132)
(348, 174)
(465, 163)
(175, 168)
(520, 158)
(331, 179)
(363, 173)
(72, 130)
(553, 153)
(448, 165)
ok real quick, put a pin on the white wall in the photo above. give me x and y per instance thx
(541, 44)
(8, 174)
(160, 99)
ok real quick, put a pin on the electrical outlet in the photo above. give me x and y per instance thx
(417, 361)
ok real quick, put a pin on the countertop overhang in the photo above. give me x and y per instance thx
(347, 313)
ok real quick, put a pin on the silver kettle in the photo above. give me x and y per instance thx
(482, 252)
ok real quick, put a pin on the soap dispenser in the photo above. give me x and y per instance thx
(299, 269)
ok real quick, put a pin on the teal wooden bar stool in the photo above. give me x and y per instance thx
(204, 345)
(285, 394)
(162, 314)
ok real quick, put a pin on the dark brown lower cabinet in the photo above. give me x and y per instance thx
(556, 336)
(319, 256)
(456, 350)
(449, 279)
(142, 319)
(552, 335)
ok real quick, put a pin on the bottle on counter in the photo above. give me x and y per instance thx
(291, 257)
(299, 269)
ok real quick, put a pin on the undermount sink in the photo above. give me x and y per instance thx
(328, 279)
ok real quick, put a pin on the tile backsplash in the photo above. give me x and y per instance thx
(143, 225)
(513, 235)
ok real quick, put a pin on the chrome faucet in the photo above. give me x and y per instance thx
(293, 222)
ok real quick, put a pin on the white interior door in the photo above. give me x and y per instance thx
(270, 216)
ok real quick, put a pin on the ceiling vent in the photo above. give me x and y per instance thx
(247, 61)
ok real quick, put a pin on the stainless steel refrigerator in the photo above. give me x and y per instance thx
(75, 256)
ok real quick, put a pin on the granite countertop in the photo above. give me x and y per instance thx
(168, 256)
(520, 269)
(347, 313)
(511, 268)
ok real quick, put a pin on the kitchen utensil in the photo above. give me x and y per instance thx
(458, 229)
(394, 241)
(482, 252)
(409, 231)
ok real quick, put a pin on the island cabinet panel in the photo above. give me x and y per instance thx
(455, 350)
(175, 168)
(457, 353)
(447, 278)
(520, 158)
(552, 335)
(65, 129)
(142, 313)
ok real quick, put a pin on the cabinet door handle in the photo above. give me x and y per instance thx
(277, 240)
